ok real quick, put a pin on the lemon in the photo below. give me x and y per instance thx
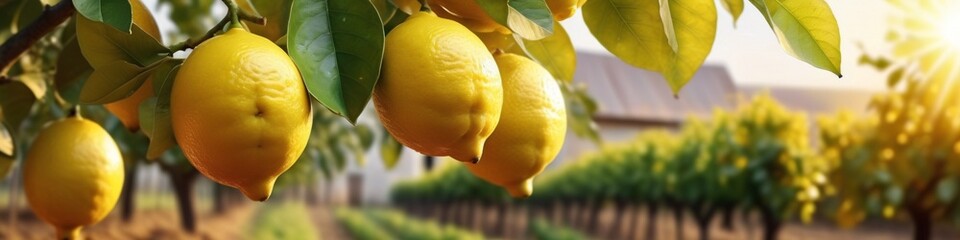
(128, 109)
(468, 13)
(240, 111)
(72, 175)
(440, 93)
(531, 129)
(563, 9)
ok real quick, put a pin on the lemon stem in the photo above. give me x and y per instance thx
(69, 234)
(233, 16)
(75, 112)
(423, 6)
(232, 13)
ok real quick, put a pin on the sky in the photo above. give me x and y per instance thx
(750, 50)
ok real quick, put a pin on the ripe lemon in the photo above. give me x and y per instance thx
(128, 109)
(72, 175)
(563, 9)
(531, 129)
(440, 93)
(240, 111)
(468, 13)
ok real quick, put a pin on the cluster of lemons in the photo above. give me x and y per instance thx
(241, 114)
(445, 93)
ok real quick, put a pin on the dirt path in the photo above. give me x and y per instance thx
(327, 224)
(149, 224)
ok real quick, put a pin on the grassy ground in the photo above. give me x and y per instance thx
(288, 221)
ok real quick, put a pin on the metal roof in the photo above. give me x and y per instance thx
(629, 94)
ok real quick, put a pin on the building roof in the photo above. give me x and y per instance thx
(627, 93)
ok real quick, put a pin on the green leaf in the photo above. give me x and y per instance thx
(807, 30)
(895, 77)
(72, 71)
(155, 111)
(390, 149)
(7, 146)
(734, 7)
(15, 15)
(690, 27)
(385, 9)
(498, 10)
(555, 53)
(16, 101)
(31, 74)
(103, 46)
(338, 46)
(530, 19)
(116, 13)
(947, 190)
(117, 82)
(397, 18)
(7, 149)
(365, 135)
(629, 29)
(580, 110)
(635, 32)
(276, 12)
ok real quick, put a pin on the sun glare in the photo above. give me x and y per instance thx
(950, 28)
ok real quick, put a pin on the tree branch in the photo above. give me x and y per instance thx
(194, 42)
(16, 45)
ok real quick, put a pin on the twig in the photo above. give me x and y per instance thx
(16, 45)
(194, 42)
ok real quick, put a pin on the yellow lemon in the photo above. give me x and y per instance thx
(72, 175)
(440, 93)
(531, 129)
(468, 13)
(563, 9)
(240, 111)
(128, 109)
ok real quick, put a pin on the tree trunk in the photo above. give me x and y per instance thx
(183, 189)
(502, 216)
(771, 224)
(472, 216)
(634, 220)
(728, 218)
(619, 209)
(595, 209)
(13, 204)
(312, 198)
(127, 203)
(569, 213)
(703, 218)
(922, 224)
(219, 200)
(678, 220)
(651, 232)
(583, 216)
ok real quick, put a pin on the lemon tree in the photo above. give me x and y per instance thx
(899, 159)
(331, 53)
(756, 159)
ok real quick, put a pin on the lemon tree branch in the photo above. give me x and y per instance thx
(234, 14)
(16, 45)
